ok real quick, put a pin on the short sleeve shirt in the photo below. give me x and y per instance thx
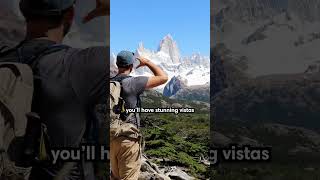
(132, 88)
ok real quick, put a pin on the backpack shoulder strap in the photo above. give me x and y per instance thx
(120, 78)
(34, 59)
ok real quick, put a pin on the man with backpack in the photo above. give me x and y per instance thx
(125, 145)
(68, 85)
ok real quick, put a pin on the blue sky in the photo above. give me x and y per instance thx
(148, 21)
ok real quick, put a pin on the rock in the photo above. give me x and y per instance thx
(150, 171)
(204, 161)
(178, 174)
(164, 104)
(146, 167)
(151, 176)
(176, 105)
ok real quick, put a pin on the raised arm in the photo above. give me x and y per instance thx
(159, 78)
(102, 9)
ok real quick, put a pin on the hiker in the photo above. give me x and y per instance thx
(125, 147)
(69, 82)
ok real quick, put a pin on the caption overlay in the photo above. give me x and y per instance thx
(161, 110)
(233, 153)
(245, 153)
(87, 152)
(91, 152)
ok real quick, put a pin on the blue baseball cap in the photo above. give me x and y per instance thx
(125, 58)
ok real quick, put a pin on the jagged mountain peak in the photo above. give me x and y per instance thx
(169, 46)
(140, 49)
(192, 68)
(167, 37)
(141, 46)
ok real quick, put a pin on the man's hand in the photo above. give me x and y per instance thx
(143, 61)
(160, 77)
(102, 9)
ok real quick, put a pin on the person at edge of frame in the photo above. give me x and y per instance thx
(74, 83)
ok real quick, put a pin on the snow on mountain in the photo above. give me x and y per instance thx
(275, 36)
(193, 70)
(79, 39)
(95, 30)
(169, 47)
(168, 51)
(173, 86)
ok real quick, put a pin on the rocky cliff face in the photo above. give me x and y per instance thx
(177, 89)
(274, 36)
(173, 86)
(170, 47)
(168, 51)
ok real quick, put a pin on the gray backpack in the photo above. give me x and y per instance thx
(18, 139)
(118, 126)
(16, 91)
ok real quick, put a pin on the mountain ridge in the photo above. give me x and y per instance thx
(194, 70)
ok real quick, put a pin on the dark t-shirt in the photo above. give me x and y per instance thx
(73, 83)
(132, 88)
